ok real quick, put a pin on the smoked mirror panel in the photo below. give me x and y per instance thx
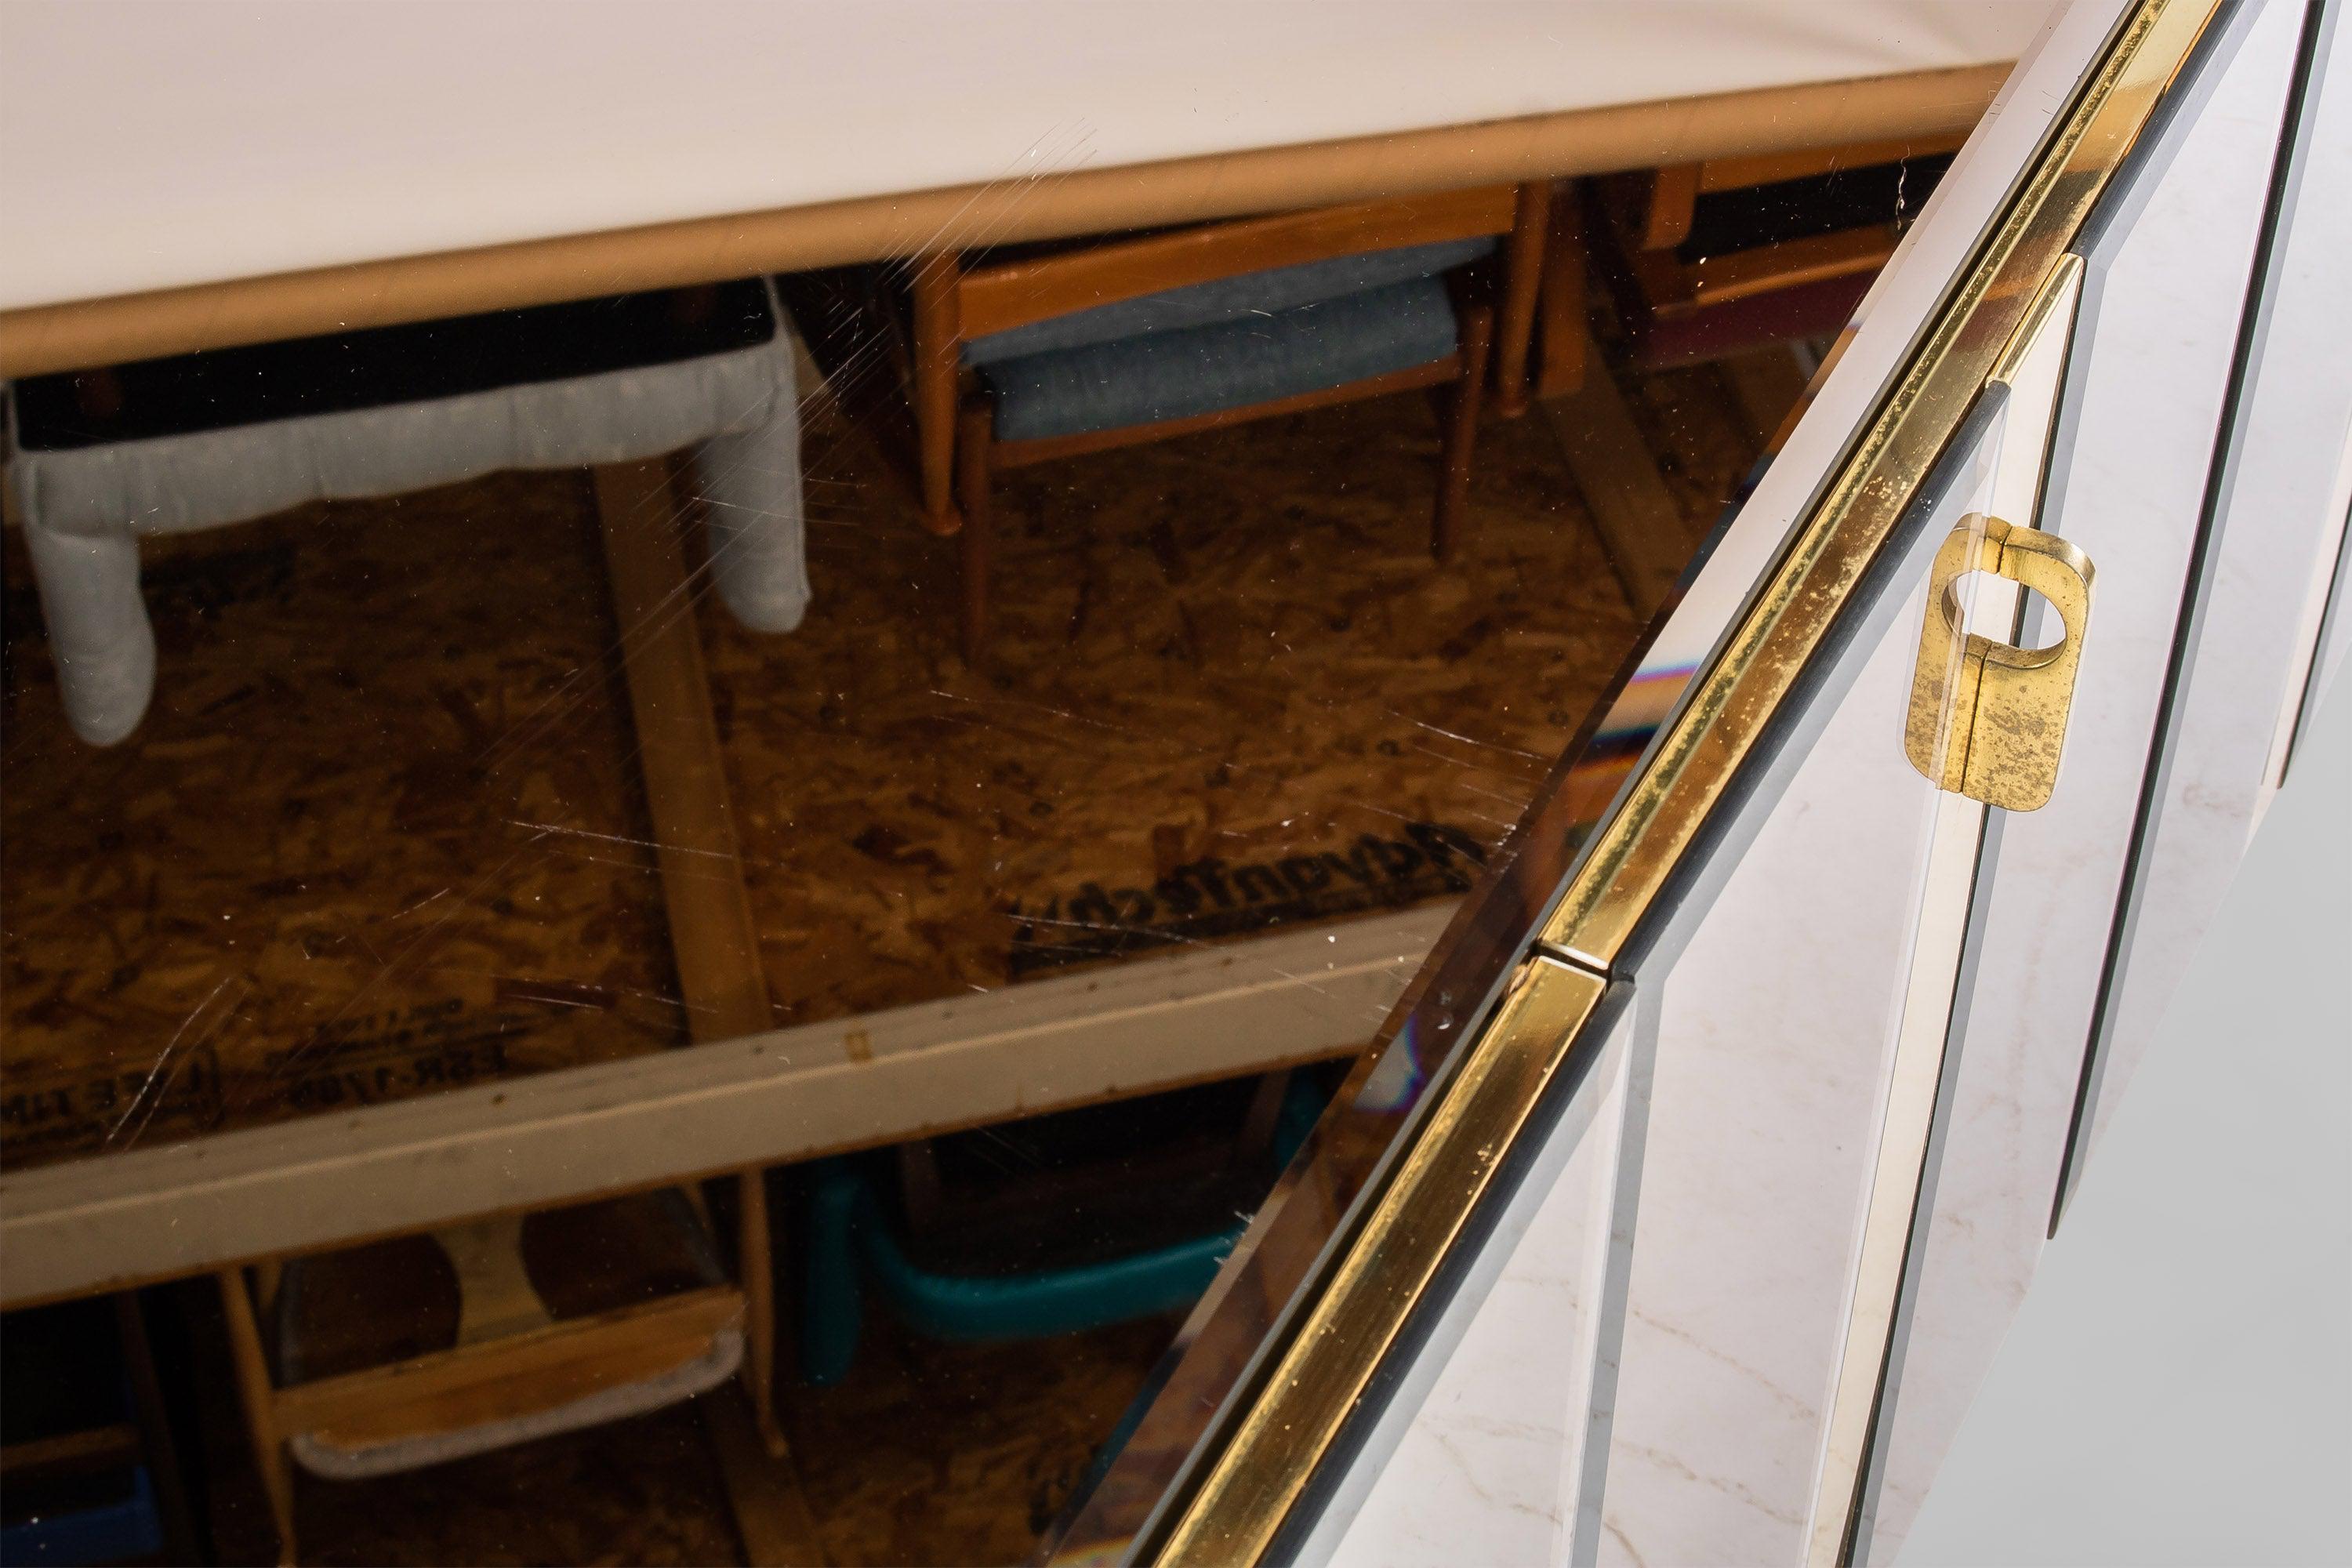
(834, 832)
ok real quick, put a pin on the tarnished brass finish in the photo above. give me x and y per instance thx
(1246, 1494)
(1987, 719)
(1635, 851)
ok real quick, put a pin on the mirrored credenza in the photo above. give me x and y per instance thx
(1414, 812)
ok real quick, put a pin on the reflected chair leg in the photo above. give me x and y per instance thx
(1461, 432)
(974, 436)
(1523, 275)
(934, 285)
(255, 1393)
(103, 643)
(757, 1267)
(1563, 336)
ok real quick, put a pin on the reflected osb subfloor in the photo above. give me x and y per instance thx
(1225, 688)
(380, 834)
(933, 1453)
(372, 839)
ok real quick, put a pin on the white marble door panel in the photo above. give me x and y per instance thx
(1773, 1050)
(2277, 531)
(1484, 1472)
(2159, 325)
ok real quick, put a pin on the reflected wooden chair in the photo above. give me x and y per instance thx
(390, 1357)
(1714, 259)
(1030, 356)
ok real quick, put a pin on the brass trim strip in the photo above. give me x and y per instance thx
(1248, 1493)
(2061, 295)
(1253, 1474)
(1638, 848)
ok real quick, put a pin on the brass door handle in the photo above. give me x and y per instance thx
(1987, 719)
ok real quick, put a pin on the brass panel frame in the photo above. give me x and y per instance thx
(1403, 1240)
(1234, 1503)
(1638, 848)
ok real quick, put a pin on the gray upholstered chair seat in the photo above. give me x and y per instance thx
(1181, 373)
(209, 440)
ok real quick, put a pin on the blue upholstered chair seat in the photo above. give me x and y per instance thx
(1139, 369)
(1181, 372)
(1262, 293)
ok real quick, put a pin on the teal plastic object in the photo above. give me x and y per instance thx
(847, 1229)
(847, 1236)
